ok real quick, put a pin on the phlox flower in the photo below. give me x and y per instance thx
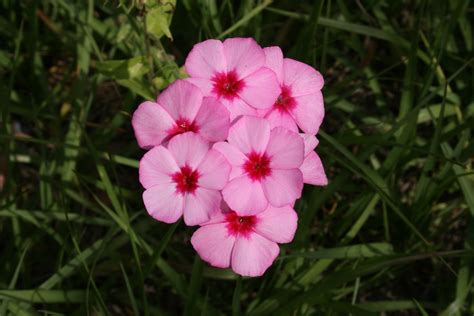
(300, 103)
(312, 167)
(184, 178)
(264, 165)
(233, 71)
(247, 244)
(179, 109)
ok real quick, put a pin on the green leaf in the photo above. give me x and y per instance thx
(158, 19)
(124, 69)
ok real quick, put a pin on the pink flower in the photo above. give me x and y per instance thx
(233, 72)
(179, 109)
(184, 178)
(300, 103)
(247, 244)
(264, 166)
(312, 167)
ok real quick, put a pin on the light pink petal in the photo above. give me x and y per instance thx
(214, 245)
(250, 134)
(274, 61)
(310, 143)
(163, 203)
(302, 78)
(277, 224)
(238, 107)
(231, 153)
(213, 120)
(285, 149)
(283, 119)
(309, 112)
(199, 205)
(261, 89)
(214, 171)
(150, 123)
(205, 59)
(205, 85)
(181, 99)
(243, 55)
(283, 187)
(188, 149)
(156, 166)
(245, 196)
(313, 170)
(253, 255)
(217, 217)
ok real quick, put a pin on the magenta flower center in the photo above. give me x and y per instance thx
(186, 180)
(242, 225)
(285, 101)
(183, 125)
(257, 166)
(227, 85)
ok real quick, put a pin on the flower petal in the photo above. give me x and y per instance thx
(163, 203)
(283, 119)
(302, 78)
(181, 100)
(274, 61)
(205, 59)
(205, 85)
(310, 143)
(188, 149)
(213, 120)
(283, 187)
(198, 206)
(250, 134)
(213, 244)
(238, 107)
(309, 112)
(313, 170)
(245, 196)
(214, 171)
(243, 55)
(231, 153)
(277, 224)
(156, 166)
(261, 89)
(253, 255)
(285, 149)
(150, 123)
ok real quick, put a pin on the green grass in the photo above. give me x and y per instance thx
(392, 233)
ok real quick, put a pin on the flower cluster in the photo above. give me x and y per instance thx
(230, 148)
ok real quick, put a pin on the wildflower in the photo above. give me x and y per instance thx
(312, 167)
(184, 178)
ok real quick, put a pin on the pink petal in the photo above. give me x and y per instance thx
(213, 120)
(274, 61)
(163, 203)
(214, 245)
(199, 205)
(205, 59)
(310, 143)
(249, 134)
(261, 89)
(150, 123)
(156, 166)
(283, 119)
(283, 187)
(231, 153)
(309, 112)
(313, 170)
(205, 85)
(253, 255)
(181, 99)
(245, 196)
(302, 78)
(188, 149)
(238, 107)
(243, 55)
(214, 171)
(285, 149)
(277, 224)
